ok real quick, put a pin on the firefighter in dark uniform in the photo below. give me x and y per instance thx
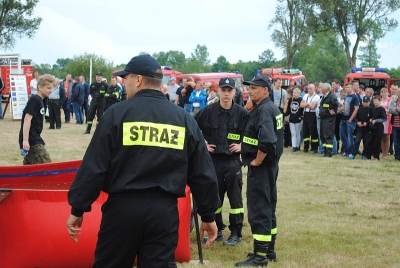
(143, 153)
(327, 112)
(112, 95)
(96, 108)
(222, 124)
(262, 147)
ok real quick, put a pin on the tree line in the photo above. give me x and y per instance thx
(322, 38)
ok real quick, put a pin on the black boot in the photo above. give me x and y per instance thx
(271, 254)
(88, 128)
(258, 258)
(328, 152)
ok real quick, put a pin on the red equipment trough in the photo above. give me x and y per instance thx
(33, 213)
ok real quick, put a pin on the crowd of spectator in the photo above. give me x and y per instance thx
(366, 122)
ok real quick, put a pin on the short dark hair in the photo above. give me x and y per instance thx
(152, 82)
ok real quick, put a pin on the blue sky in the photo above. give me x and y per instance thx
(120, 29)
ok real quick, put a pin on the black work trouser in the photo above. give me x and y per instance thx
(67, 110)
(85, 108)
(375, 141)
(54, 113)
(96, 108)
(364, 135)
(310, 131)
(142, 224)
(327, 134)
(261, 201)
(229, 174)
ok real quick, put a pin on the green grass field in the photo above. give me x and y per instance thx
(331, 212)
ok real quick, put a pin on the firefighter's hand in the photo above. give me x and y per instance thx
(209, 228)
(25, 145)
(360, 124)
(211, 147)
(332, 112)
(74, 226)
(235, 148)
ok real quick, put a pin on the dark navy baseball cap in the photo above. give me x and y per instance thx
(144, 65)
(226, 82)
(260, 81)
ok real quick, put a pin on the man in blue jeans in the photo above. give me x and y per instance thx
(348, 123)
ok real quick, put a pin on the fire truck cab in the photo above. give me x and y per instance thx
(289, 77)
(375, 78)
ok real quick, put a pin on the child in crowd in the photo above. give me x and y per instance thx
(363, 128)
(30, 141)
(378, 117)
(295, 113)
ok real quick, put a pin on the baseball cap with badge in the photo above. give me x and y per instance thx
(260, 81)
(227, 82)
(144, 65)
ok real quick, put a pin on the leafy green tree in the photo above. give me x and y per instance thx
(80, 65)
(358, 18)
(369, 56)
(291, 30)
(394, 72)
(247, 69)
(267, 58)
(221, 65)
(201, 55)
(44, 69)
(16, 19)
(324, 59)
(173, 58)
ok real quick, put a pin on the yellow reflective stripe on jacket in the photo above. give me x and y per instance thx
(218, 211)
(236, 210)
(102, 91)
(279, 121)
(307, 139)
(325, 105)
(316, 140)
(233, 136)
(274, 231)
(262, 238)
(250, 141)
(153, 134)
(328, 145)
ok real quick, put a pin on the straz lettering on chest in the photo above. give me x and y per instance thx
(153, 135)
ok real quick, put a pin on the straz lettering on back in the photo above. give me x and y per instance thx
(153, 135)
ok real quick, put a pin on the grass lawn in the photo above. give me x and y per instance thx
(331, 212)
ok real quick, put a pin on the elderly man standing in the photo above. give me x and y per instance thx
(327, 112)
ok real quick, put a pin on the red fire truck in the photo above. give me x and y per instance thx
(289, 77)
(375, 78)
